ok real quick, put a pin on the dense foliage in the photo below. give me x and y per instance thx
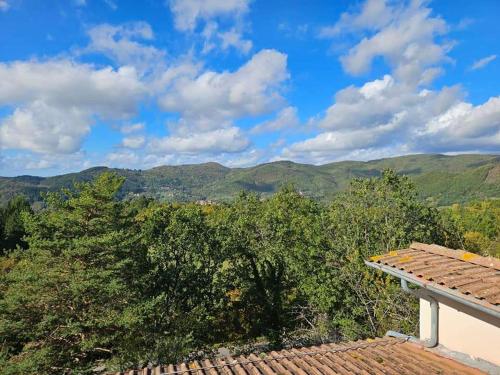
(11, 223)
(478, 225)
(94, 282)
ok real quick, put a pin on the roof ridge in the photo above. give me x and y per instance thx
(458, 254)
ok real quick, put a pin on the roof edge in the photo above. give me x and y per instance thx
(449, 293)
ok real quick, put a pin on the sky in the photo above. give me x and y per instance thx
(138, 84)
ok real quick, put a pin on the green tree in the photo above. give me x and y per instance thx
(126, 283)
(180, 301)
(64, 304)
(262, 240)
(12, 228)
(374, 216)
(477, 225)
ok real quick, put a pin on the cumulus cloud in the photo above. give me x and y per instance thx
(110, 92)
(404, 35)
(188, 12)
(41, 128)
(134, 141)
(373, 15)
(233, 38)
(464, 127)
(27, 162)
(215, 141)
(331, 142)
(385, 114)
(246, 159)
(123, 159)
(381, 101)
(286, 119)
(481, 63)
(132, 128)
(211, 99)
(208, 104)
(124, 45)
(396, 114)
(57, 101)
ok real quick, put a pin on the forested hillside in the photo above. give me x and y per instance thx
(440, 179)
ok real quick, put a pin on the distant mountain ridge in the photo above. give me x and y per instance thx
(441, 179)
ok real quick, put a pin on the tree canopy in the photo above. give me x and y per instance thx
(93, 282)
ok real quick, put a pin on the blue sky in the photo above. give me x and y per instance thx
(139, 84)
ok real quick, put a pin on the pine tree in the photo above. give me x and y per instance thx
(64, 304)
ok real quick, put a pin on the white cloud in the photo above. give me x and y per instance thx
(4, 5)
(209, 100)
(41, 128)
(27, 162)
(385, 114)
(112, 93)
(215, 141)
(132, 128)
(123, 45)
(402, 34)
(286, 119)
(395, 115)
(233, 38)
(331, 142)
(214, 38)
(382, 101)
(188, 12)
(123, 159)
(481, 63)
(246, 159)
(373, 15)
(134, 141)
(57, 101)
(464, 127)
(208, 103)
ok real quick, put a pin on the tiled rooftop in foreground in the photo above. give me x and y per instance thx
(380, 356)
(466, 275)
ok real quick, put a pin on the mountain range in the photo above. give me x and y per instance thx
(440, 179)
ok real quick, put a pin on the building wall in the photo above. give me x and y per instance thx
(463, 329)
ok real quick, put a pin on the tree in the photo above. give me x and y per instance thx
(132, 282)
(180, 302)
(477, 225)
(262, 240)
(64, 305)
(12, 228)
(374, 216)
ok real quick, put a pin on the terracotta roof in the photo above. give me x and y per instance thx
(469, 275)
(380, 356)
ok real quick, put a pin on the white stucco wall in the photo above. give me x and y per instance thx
(463, 329)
